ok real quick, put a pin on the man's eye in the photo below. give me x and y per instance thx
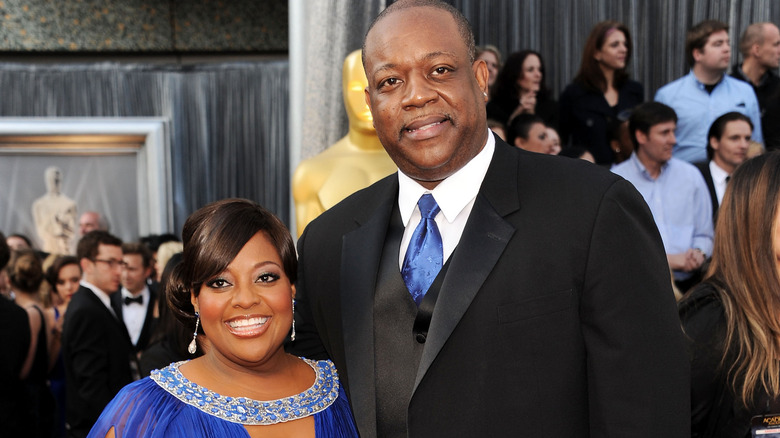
(388, 82)
(441, 70)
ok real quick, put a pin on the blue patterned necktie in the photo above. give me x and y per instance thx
(424, 255)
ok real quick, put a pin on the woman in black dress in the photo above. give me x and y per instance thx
(733, 317)
(520, 89)
(590, 107)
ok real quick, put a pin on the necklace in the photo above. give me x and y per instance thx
(246, 411)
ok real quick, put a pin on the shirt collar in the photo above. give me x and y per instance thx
(718, 174)
(144, 292)
(701, 86)
(760, 81)
(452, 194)
(104, 297)
(643, 170)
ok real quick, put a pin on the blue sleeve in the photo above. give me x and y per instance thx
(702, 216)
(144, 409)
(754, 112)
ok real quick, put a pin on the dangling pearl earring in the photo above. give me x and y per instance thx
(193, 347)
(292, 336)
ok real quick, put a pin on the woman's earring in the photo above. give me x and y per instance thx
(193, 347)
(292, 336)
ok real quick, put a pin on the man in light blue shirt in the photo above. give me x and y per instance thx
(674, 190)
(707, 92)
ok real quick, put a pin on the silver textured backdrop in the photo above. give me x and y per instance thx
(334, 28)
(228, 122)
(558, 30)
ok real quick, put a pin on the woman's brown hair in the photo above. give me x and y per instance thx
(590, 74)
(25, 271)
(744, 271)
(212, 237)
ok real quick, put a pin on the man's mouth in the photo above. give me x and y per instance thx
(425, 123)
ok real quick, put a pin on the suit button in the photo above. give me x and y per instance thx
(420, 337)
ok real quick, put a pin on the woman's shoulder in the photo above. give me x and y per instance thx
(701, 311)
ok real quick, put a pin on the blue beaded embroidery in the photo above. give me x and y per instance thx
(246, 411)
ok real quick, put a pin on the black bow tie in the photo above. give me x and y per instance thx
(138, 300)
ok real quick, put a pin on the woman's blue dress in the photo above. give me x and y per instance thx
(166, 404)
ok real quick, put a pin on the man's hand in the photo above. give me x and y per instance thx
(687, 261)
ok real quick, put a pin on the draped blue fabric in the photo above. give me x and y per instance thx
(144, 409)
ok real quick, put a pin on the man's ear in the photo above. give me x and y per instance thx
(482, 74)
(714, 144)
(697, 54)
(641, 137)
(86, 265)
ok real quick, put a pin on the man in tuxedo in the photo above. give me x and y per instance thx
(135, 304)
(728, 141)
(96, 349)
(551, 313)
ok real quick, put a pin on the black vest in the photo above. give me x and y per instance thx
(399, 335)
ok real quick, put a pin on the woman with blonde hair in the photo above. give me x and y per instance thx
(733, 317)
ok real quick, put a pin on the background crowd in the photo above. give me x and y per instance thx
(684, 152)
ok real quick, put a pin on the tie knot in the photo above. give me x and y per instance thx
(428, 206)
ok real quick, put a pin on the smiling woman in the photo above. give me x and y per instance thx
(235, 282)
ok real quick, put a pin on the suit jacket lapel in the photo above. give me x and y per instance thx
(359, 268)
(483, 241)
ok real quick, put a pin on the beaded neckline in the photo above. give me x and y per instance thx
(246, 411)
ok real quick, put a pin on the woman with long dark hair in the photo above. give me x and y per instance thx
(590, 106)
(733, 316)
(520, 89)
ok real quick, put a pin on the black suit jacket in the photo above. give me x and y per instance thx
(97, 353)
(117, 303)
(704, 168)
(555, 318)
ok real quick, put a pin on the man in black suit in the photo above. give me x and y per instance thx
(96, 349)
(135, 304)
(552, 313)
(727, 145)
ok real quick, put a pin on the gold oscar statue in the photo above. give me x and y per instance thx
(352, 163)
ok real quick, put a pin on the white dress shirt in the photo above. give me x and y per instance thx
(718, 180)
(134, 314)
(455, 197)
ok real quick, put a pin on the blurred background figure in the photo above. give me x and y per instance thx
(63, 276)
(577, 152)
(528, 131)
(520, 89)
(18, 241)
(14, 367)
(498, 128)
(25, 273)
(91, 221)
(170, 338)
(164, 253)
(492, 57)
(732, 318)
(555, 140)
(600, 91)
